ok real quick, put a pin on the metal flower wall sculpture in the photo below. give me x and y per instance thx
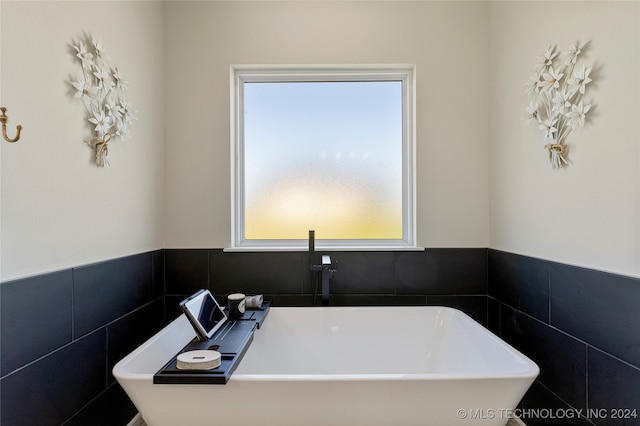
(558, 86)
(99, 87)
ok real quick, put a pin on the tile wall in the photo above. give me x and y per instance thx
(61, 333)
(582, 327)
(454, 277)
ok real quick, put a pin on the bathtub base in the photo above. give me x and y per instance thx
(351, 403)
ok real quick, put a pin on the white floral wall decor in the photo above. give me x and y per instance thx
(100, 88)
(558, 87)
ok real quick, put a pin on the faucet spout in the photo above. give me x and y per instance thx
(312, 247)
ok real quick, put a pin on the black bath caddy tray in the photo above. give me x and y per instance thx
(232, 341)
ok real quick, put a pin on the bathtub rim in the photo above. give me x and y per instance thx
(532, 371)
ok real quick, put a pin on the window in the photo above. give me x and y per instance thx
(323, 148)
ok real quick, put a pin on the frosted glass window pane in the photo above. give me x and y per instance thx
(324, 156)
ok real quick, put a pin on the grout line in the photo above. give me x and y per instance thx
(549, 291)
(73, 307)
(586, 376)
(66, 345)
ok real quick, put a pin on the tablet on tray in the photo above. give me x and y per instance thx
(204, 313)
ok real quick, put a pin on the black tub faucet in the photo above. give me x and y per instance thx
(325, 268)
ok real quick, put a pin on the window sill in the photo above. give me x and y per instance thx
(321, 247)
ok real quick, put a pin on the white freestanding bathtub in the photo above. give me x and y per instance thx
(341, 366)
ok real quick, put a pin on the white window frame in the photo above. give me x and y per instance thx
(240, 74)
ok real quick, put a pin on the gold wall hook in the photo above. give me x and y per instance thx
(3, 120)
